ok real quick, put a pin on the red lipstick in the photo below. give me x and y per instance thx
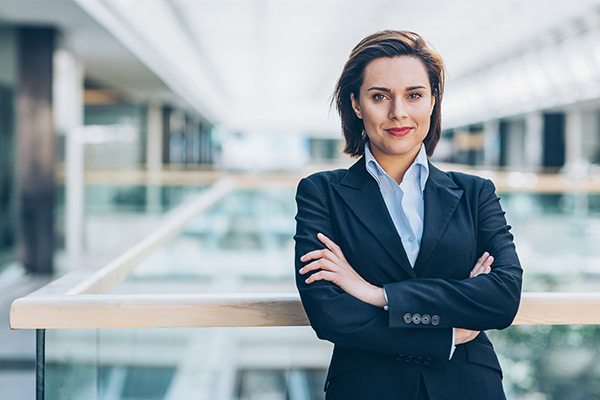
(399, 131)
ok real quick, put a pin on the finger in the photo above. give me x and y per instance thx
(316, 254)
(489, 261)
(320, 276)
(481, 268)
(485, 271)
(321, 263)
(479, 263)
(331, 245)
(476, 270)
(483, 257)
(486, 268)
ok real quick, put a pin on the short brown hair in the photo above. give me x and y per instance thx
(386, 43)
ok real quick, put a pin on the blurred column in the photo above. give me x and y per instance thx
(576, 167)
(491, 146)
(503, 143)
(574, 158)
(512, 142)
(8, 198)
(35, 149)
(189, 129)
(154, 156)
(68, 112)
(591, 136)
(534, 127)
(554, 140)
(166, 134)
(206, 149)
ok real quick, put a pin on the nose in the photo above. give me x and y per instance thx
(397, 109)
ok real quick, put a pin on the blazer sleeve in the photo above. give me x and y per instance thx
(487, 301)
(341, 318)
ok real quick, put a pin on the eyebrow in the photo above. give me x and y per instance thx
(383, 89)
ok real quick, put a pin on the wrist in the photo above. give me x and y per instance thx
(376, 296)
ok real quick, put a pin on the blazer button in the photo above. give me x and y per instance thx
(416, 318)
(407, 318)
(425, 319)
(435, 319)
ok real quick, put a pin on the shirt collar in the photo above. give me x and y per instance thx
(418, 170)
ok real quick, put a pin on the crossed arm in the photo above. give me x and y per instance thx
(331, 265)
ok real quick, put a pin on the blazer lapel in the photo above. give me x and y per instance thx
(441, 197)
(361, 193)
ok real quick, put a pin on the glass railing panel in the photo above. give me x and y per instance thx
(544, 362)
(207, 363)
(549, 362)
(71, 367)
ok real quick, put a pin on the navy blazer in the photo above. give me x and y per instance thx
(382, 354)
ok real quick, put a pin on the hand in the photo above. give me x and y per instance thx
(462, 336)
(332, 266)
(482, 266)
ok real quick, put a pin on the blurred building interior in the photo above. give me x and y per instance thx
(117, 115)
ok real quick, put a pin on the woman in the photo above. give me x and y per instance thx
(400, 265)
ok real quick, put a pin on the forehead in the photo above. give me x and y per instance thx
(395, 72)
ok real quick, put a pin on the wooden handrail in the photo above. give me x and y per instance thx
(229, 310)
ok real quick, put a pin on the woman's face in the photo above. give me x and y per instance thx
(395, 103)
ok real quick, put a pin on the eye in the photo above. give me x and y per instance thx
(378, 97)
(415, 96)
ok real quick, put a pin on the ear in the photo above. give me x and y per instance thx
(355, 106)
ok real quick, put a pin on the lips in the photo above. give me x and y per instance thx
(399, 131)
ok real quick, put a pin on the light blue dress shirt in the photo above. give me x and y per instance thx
(404, 202)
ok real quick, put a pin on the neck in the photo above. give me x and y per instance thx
(395, 166)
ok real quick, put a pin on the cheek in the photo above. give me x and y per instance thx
(373, 116)
(423, 114)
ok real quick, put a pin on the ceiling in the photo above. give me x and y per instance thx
(105, 59)
(271, 65)
(278, 60)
